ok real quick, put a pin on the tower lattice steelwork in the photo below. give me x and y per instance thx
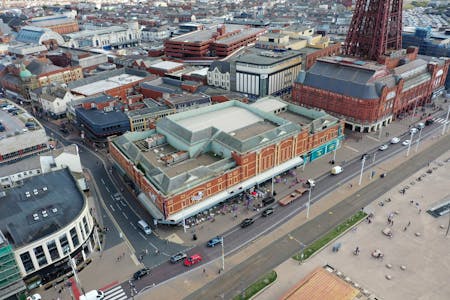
(375, 28)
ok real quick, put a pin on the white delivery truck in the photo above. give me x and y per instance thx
(93, 295)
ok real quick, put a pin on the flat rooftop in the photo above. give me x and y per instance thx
(106, 84)
(36, 209)
(228, 119)
(258, 56)
(238, 36)
(296, 118)
(200, 36)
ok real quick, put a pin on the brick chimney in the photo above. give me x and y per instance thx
(221, 30)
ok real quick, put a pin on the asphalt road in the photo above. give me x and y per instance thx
(236, 280)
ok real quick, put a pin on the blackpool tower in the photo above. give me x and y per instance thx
(376, 28)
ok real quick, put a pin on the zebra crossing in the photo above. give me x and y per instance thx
(440, 120)
(116, 293)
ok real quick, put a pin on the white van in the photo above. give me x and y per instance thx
(93, 295)
(337, 170)
(144, 226)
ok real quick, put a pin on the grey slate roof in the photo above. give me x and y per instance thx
(16, 210)
(222, 66)
(344, 80)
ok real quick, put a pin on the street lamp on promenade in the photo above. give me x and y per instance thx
(418, 139)
(362, 169)
(302, 247)
(223, 256)
(309, 201)
(410, 142)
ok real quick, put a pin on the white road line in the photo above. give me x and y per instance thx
(102, 180)
(143, 236)
(351, 148)
(132, 225)
(107, 189)
(126, 217)
(114, 289)
(121, 296)
(116, 294)
(112, 207)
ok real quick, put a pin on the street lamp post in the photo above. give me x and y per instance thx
(272, 187)
(418, 139)
(446, 121)
(184, 219)
(223, 256)
(302, 247)
(410, 142)
(309, 201)
(362, 169)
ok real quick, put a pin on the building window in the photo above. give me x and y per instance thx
(86, 225)
(53, 250)
(81, 230)
(40, 256)
(74, 237)
(64, 244)
(27, 262)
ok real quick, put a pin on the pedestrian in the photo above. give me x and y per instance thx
(409, 223)
(392, 222)
(420, 210)
(405, 228)
(204, 270)
(411, 202)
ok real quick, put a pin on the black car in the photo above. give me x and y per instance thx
(247, 222)
(178, 257)
(141, 273)
(429, 122)
(267, 212)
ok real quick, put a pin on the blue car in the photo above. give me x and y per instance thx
(214, 241)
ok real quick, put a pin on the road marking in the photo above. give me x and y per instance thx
(118, 206)
(102, 180)
(112, 207)
(126, 217)
(107, 189)
(143, 236)
(132, 225)
(123, 203)
(351, 148)
(371, 137)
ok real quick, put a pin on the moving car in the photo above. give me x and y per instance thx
(268, 200)
(178, 257)
(192, 260)
(267, 212)
(383, 147)
(337, 170)
(395, 140)
(141, 273)
(214, 241)
(247, 222)
(414, 130)
(429, 122)
(34, 297)
(406, 142)
(420, 125)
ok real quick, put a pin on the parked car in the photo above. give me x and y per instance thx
(420, 125)
(178, 257)
(192, 260)
(267, 212)
(141, 273)
(214, 241)
(34, 297)
(247, 222)
(414, 130)
(383, 147)
(406, 142)
(395, 140)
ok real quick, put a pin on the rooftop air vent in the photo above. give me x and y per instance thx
(35, 192)
(27, 194)
(44, 188)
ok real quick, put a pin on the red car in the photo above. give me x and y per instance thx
(192, 260)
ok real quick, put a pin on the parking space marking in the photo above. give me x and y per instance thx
(126, 217)
(112, 207)
(143, 236)
(132, 225)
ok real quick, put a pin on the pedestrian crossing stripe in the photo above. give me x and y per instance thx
(116, 293)
(440, 120)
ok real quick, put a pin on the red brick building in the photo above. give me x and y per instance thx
(183, 167)
(211, 43)
(369, 94)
